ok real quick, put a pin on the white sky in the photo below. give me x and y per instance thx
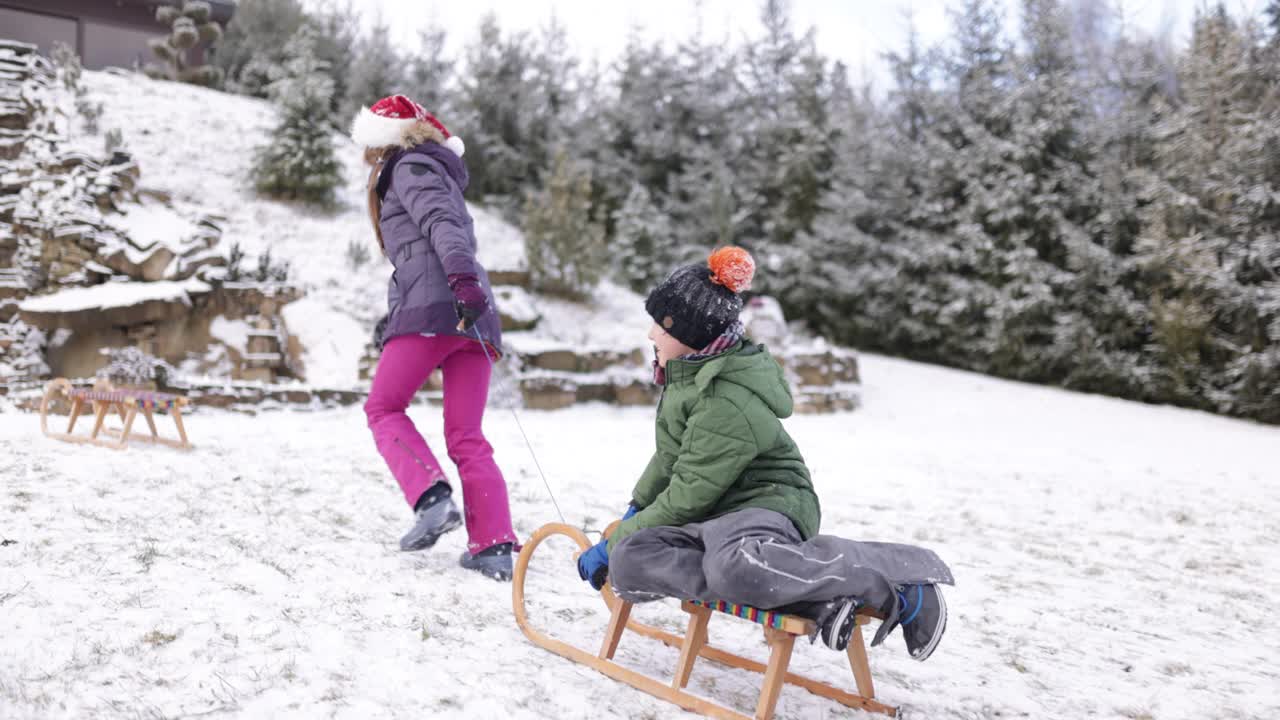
(858, 32)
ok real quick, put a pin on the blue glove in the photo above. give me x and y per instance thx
(593, 565)
(631, 510)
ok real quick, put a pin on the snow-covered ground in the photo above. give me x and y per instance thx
(1114, 560)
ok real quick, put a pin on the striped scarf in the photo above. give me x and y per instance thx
(730, 337)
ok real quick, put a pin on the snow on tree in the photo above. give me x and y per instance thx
(641, 240)
(336, 29)
(377, 70)
(253, 45)
(299, 161)
(1212, 245)
(638, 146)
(495, 107)
(554, 80)
(430, 72)
(564, 242)
(786, 160)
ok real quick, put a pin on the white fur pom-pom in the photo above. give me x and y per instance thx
(455, 144)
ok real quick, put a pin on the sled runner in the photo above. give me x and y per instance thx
(103, 398)
(780, 631)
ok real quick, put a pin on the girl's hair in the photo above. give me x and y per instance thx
(376, 158)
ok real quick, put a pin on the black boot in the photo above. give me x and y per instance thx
(494, 562)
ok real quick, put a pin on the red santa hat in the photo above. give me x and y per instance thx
(392, 119)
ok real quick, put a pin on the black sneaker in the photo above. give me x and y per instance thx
(836, 623)
(493, 562)
(430, 523)
(923, 617)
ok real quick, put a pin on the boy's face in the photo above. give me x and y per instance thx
(666, 346)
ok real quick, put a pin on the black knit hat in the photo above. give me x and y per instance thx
(697, 303)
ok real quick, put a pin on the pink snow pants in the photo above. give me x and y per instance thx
(406, 363)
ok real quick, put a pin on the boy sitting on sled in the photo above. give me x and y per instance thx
(725, 509)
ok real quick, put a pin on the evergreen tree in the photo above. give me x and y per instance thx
(335, 25)
(376, 72)
(299, 162)
(430, 71)
(641, 241)
(554, 83)
(1211, 248)
(786, 162)
(254, 41)
(496, 105)
(702, 180)
(564, 243)
(639, 144)
(887, 267)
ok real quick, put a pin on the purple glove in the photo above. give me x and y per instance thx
(469, 299)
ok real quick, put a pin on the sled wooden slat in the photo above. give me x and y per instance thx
(618, 618)
(126, 404)
(781, 632)
(780, 646)
(858, 662)
(695, 638)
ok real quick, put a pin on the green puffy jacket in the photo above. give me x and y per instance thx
(721, 447)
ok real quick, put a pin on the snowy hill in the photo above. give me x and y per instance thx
(1114, 560)
(198, 145)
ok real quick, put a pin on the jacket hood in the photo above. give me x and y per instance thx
(749, 365)
(453, 164)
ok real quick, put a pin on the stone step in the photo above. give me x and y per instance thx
(518, 278)
(571, 361)
(556, 390)
(13, 117)
(516, 308)
(822, 367)
(842, 397)
(263, 360)
(12, 143)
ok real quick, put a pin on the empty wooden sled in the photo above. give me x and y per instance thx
(105, 399)
(780, 631)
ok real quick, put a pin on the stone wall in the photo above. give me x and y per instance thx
(64, 223)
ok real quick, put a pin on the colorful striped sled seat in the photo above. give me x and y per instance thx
(104, 399)
(137, 398)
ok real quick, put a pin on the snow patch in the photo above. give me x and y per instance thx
(114, 295)
(333, 341)
(151, 224)
(232, 333)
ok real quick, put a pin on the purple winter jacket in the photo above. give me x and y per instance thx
(429, 235)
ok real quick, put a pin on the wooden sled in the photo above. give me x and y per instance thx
(780, 632)
(103, 398)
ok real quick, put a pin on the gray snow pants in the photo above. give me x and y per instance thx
(757, 557)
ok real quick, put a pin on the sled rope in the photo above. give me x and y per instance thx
(492, 369)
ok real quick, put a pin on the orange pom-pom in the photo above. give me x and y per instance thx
(732, 267)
